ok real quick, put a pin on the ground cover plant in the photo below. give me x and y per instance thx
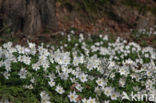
(79, 70)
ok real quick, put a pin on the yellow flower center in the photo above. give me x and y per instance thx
(72, 97)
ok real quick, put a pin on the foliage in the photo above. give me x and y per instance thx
(82, 69)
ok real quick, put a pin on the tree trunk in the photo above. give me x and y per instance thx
(28, 16)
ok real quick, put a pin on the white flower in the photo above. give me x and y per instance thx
(31, 45)
(114, 95)
(94, 48)
(104, 51)
(28, 86)
(108, 91)
(20, 49)
(124, 70)
(122, 82)
(32, 80)
(51, 83)
(27, 50)
(43, 51)
(100, 82)
(129, 61)
(8, 67)
(7, 45)
(112, 75)
(44, 97)
(72, 32)
(92, 100)
(93, 62)
(84, 100)
(106, 101)
(45, 64)
(73, 80)
(64, 76)
(25, 59)
(6, 75)
(36, 66)
(78, 60)
(98, 91)
(42, 57)
(81, 38)
(59, 89)
(52, 76)
(72, 97)
(105, 38)
(62, 58)
(83, 78)
(149, 73)
(111, 64)
(22, 73)
(149, 83)
(51, 58)
(79, 87)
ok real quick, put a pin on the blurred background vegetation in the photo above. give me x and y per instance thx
(133, 20)
(99, 8)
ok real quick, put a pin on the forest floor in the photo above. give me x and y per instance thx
(129, 21)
